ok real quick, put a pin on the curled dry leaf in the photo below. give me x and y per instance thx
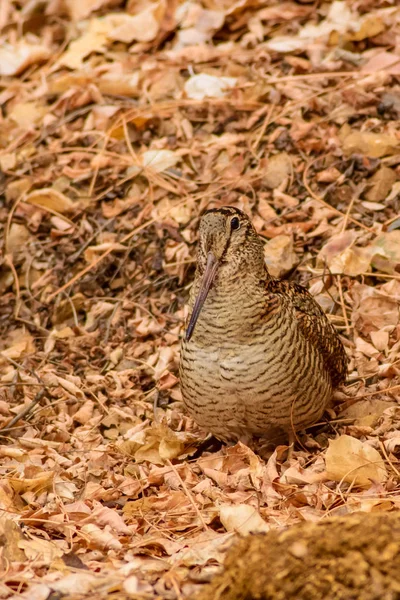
(279, 255)
(242, 518)
(51, 199)
(70, 387)
(142, 27)
(16, 58)
(339, 20)
(40, 550)
(135, 588)
(203, 86)
(78, 10)
(85, 413)
(37, 485)
(100, 538)
(16, 240)
(342, 257)
(80, 583)
(375, 145)
(381, 184)
(348, 459)
(385, 251)
(278, 171)
(21, 344)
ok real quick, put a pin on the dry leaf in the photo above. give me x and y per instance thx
(381, 184)
(70, 387)
(40, 483)
(385, 251)
(159, 160)
(27, 114)
(341, 256)
(79, 583)
(40, 550)
(242, 518)
(136, 588)
(85, 413)
(142, 27)
(203, 86)
(51, 199)
(17, 238)
(22, 344)
(279, 255)
(279, 169)
(375, 145)
(79, 9)
(14, 59)
(93, 39)
(348, 459)
(100, 537)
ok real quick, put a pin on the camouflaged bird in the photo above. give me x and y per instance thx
(259, 357)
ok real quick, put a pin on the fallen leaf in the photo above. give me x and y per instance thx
(135, 588)
(51, 199)
(12, 535)
(203, 86)
(27, 114)
(14, 59)
(40, 550)
(341, 256)
(159, 160)
(381, 184)
(100, 537)
(375, 145)
(38, 484)
(21, 343)
(279, 255)
(348, 459)
(385, 251)
(279, 169)
(142, 27)
(382, 61)
(242, 518)
(79, 583)
(17, 238)
(79, 10)
(93, 39)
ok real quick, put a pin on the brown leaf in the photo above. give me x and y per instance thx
(348, 459)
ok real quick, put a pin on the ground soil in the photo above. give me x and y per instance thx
(357, 556)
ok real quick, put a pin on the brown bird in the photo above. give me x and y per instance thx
(260, 358)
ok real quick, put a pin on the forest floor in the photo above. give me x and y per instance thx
(121, 122)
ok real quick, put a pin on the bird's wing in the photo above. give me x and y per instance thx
(317, 329)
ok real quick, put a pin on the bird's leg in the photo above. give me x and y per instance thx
(292, 439)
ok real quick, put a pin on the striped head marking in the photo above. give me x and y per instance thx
(229, 247)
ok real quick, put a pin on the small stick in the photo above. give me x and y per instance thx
(25, 411)
(346, 321)
(189, 495)
(382, 445)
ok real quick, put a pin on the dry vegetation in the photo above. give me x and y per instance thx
(121, 122)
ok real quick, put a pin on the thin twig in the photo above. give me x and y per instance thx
(382, 445)
(346, 321)
(189, 495)
(24, 412)
(322, 201)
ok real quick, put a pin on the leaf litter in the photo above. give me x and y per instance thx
(121, 123)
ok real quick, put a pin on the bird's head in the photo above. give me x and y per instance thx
(229, 248)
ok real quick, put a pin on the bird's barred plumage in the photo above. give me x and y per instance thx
(262, 359)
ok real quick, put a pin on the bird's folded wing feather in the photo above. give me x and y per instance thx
(317, 329)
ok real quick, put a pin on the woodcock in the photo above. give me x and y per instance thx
(259, 358)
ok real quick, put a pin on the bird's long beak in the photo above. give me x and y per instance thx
(205, 285)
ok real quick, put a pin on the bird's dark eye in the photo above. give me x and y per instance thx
(235, 224)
